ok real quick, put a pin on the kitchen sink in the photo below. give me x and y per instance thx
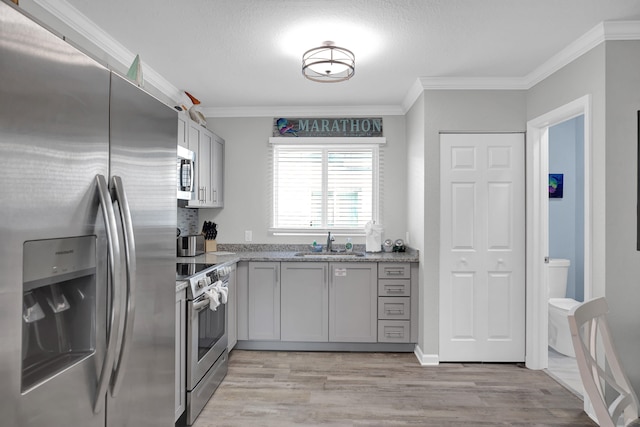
(325, 254)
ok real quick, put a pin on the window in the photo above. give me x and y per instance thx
(324, 188)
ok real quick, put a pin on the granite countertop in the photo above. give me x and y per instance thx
(356, 256)
(230, 253)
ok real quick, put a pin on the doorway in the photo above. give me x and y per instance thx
(538, 249)
(566, 244)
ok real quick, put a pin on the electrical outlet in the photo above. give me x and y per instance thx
(406, 238)
(248, 235)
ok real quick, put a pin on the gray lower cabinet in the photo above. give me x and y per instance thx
(397, 311)
(232, 311)
(264, 301)
(304, 309)
(301, 305)
(242, 285)
(353, 302)
(181, 353)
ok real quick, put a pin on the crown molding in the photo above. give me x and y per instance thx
(604, 31)
(412, 95)
(621, 30)
(272, 111)
(78, 22)
(582, 45)
(473, 83)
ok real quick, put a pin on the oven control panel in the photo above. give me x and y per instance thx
(199, 282)
(205, 281)
(221, 273)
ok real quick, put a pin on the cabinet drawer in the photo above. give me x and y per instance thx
(393, 331)
(394, 308)
(394, 270)
(394, 288)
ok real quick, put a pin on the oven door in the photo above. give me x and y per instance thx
(206, 338)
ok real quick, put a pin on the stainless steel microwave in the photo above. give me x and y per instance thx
(186, 173)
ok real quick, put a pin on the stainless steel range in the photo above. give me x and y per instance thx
(206, 332)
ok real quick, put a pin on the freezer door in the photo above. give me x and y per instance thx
(143, 157)
(53, 142)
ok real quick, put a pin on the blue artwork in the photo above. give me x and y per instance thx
(555, 185)
(285, 127)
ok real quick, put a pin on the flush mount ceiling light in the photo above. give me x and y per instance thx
(328, 63)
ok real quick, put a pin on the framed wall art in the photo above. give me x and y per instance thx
(556, 185)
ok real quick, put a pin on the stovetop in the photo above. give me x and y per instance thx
(186, 270)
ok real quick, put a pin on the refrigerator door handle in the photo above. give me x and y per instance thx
(113, 248)
(130, 262)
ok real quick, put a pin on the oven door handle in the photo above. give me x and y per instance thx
(113, 249)
(200, 305)
(130, 259)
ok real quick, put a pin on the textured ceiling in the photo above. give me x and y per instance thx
(247, 53)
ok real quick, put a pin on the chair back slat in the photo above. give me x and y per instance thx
(599, 365)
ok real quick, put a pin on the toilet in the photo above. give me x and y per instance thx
(559, 307)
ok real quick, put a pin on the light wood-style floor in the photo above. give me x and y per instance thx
(281, 389)
(564, 369)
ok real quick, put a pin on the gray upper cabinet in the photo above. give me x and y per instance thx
(264, 301)
(353, 302)
(217, 172)
(203, 157)
(304, 301)
(209, 149)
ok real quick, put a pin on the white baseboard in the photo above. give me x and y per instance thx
(426, 359)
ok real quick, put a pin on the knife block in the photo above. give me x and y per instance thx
(210, 246)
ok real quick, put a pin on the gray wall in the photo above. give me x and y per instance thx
(566, 214)
(454, 111)
(584, 76)
(247, 182)
(428, 315)
(609, 74)
(622, 258)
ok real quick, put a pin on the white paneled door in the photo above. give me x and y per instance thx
(482, 247)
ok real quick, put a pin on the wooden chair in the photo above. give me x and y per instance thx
(600, 367)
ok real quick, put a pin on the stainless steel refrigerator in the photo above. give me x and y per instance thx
(87, 243)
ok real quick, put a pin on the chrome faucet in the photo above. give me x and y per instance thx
(330, 240)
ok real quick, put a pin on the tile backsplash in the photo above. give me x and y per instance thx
(188, 221)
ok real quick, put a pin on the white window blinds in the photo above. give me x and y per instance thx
(318, 188)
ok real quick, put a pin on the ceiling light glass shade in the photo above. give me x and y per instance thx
(328, 64)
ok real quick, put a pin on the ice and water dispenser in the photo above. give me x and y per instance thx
(58, 306)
